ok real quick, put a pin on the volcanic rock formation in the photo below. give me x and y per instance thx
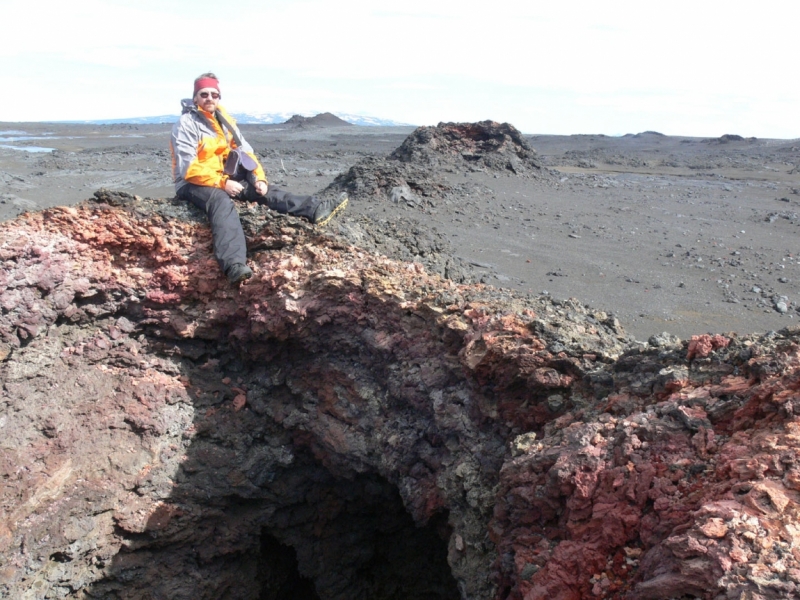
(413, 173)
(348, 426)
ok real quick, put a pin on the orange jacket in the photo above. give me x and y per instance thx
(200, 145)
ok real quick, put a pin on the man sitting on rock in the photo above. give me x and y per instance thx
(212, 164)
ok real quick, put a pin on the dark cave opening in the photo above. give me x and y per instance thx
(356, 541)
(260, 512)
(329, 534)
(278, 573)
(337, 539)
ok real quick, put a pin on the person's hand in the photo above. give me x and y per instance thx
(261, 188)
(233, 188)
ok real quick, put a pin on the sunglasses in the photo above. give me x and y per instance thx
(214, 95)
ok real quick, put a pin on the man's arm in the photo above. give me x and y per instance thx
(260, 176)
(258, 172)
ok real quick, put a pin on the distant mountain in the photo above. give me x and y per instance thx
(323, 120)
(253, 119)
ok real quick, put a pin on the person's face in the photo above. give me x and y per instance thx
(207, 99)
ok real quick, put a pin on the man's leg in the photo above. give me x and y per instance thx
(226, 228)
(283, 202)
(312, 208)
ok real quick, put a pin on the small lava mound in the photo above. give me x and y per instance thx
(729, 137)
(498, 146)
(412, 173)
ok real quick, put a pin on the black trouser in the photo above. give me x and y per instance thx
(226, 229)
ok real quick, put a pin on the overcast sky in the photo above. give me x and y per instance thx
(701, 68)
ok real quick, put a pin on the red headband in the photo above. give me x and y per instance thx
(205, 82)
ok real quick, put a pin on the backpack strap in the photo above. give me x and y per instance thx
(233, 129)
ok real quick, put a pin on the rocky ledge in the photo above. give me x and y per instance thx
(348, 426)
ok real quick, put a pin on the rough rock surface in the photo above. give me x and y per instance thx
(403, 239)
(683, 486)
(349, 426)
(413, 172)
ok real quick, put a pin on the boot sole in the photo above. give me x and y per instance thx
(334, 212)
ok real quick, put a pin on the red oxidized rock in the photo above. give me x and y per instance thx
(701, 346)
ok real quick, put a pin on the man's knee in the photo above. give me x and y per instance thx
(201, 194)
(219, 204)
